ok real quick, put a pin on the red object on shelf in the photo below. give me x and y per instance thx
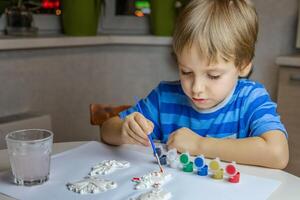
(50, 4)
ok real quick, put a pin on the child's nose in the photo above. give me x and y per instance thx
(198, 86)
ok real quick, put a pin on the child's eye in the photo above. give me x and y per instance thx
(213, 77)
(185, 72)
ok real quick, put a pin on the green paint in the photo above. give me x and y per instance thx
(188, 167)
(184, 158)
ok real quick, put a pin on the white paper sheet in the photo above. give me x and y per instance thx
(75, 164)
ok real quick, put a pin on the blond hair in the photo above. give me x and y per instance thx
(224, 29)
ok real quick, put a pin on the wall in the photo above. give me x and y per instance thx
(64, 81)
(277, 36)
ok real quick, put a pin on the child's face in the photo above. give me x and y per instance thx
(206, 85)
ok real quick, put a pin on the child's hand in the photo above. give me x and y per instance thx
(136, 129)
(184, 139)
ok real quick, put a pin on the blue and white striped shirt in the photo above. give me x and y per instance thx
(247, 111)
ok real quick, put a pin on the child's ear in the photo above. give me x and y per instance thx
(245, 70)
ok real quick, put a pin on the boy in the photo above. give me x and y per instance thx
(212, 110)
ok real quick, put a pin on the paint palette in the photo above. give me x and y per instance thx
(202, 169)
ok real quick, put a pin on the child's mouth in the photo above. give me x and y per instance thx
(200, 100)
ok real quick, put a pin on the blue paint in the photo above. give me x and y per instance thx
(199, 162)
(203, 171)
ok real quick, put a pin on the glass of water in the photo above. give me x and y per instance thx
(29, 154)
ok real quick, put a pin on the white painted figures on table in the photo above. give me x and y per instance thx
(149, 180)
(91, 185)
(108, 166)
(157, 193)
(155, 180)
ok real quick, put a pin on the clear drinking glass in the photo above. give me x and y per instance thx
(29, 154)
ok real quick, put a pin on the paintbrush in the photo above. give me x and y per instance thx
(150, 139)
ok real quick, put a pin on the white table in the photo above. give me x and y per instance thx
(289, 188)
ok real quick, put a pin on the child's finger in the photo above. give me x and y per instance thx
(143, 123)
(136, 128)
(130, 139)
(135, 137)
(138, 133)
(151, 125)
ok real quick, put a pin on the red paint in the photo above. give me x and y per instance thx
(135, 179)
(235, 178)
(230, 169)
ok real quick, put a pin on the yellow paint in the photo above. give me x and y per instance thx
(218, 174)
(214, 165)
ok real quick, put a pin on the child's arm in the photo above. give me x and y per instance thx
(268, 150)
(133, 130)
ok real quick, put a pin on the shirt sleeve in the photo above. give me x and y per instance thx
(150, 109)
(262, 113)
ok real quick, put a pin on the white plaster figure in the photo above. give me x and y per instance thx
(108, 166)
(149, 180)
(154, 195)
(91, 185)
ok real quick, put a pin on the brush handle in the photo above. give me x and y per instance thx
(149, 135)
(152, 144)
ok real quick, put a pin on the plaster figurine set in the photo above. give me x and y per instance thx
(157, 193)
(108, 166)
(155, 180)
(93, 184)
(151, 180)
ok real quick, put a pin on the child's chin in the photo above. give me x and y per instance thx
(202, 106)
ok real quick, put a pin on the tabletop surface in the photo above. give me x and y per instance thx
(289, 188)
